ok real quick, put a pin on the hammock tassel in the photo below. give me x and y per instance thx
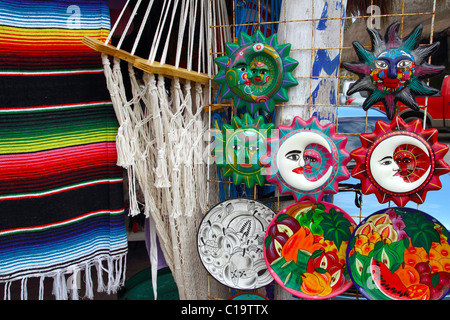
(162, 180)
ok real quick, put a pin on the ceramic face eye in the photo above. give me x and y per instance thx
(404, 63)
(380, 64)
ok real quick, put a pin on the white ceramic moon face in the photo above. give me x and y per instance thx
(400, 161)
(299, 156)
(385, 171)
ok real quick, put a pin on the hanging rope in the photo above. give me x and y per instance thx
(162, 126)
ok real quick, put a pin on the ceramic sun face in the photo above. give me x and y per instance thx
(400, 161)
(394, 70)
(239, 148)
(256, 72)
(307, 159)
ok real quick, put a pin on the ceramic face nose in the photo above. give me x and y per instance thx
(392, 70)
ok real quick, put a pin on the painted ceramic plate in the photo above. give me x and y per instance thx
(230, 242)
(400, 162)
(305, 248)
(400, 254)
(248, 296)
(306, 159)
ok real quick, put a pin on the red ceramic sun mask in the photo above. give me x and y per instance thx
(412, 162)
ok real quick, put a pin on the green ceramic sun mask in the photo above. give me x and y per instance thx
(239, 147)
(255, 72)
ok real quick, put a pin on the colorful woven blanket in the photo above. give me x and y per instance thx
(61, 196)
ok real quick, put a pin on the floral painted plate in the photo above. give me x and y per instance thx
(400, 254)
(230, 242)
(305, 248)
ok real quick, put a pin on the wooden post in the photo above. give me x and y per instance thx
(314, 29)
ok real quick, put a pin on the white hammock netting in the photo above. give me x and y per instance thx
(162, 139)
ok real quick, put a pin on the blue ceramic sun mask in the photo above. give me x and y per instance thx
(392, 70)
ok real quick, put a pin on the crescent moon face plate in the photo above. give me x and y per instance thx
(307, 159)
(400, 161)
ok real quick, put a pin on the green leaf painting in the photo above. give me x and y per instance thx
(420, 229)
(335, 227)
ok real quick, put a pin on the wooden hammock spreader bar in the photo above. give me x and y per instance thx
(145, 65)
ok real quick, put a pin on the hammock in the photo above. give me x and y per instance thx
(159, 93)
(61, 193)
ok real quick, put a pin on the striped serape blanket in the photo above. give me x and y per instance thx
(61, 193)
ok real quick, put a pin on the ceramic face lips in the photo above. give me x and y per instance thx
(400, 161)
(305, 249)
(394, 69)
(307, 160)
(400, 254)
(255, 72)
(230, 242)
(240, 145)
